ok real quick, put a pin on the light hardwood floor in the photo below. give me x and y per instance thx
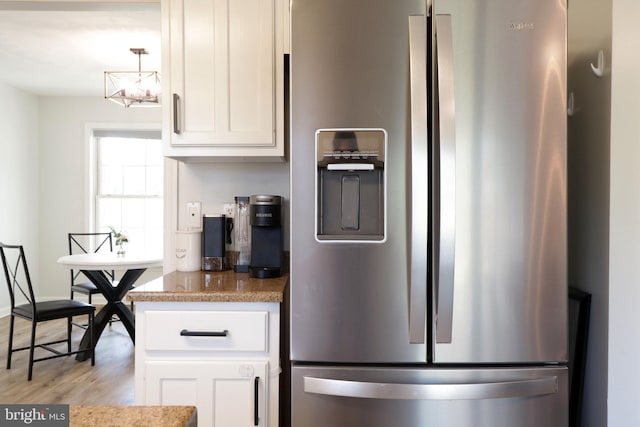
(64, 380)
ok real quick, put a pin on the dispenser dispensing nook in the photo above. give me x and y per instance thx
(351, 185)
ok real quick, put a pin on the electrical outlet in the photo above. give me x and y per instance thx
(194, 215)
(229, 209)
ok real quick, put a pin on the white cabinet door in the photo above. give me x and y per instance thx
(226, 393)
(220, 60)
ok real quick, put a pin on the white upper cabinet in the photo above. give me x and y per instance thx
(223, 79)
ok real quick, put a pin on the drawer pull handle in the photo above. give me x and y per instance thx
(187, 333)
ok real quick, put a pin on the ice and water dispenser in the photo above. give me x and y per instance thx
(350, 185)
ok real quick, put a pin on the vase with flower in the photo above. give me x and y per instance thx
(121, 239)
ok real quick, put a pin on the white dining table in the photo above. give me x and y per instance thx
(94, 265)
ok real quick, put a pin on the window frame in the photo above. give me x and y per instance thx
(93, 133)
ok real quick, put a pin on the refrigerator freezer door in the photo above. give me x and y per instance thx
(528, 397)
(509, 294)
(350, 70)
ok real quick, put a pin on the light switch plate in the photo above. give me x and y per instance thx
(194, 215)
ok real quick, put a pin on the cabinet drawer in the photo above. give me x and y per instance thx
(207, 330)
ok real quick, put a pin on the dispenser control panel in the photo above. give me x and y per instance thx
(350, 185)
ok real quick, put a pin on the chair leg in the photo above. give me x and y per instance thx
(91, 341)
(32, 348)
(10, 349)
(69, 319)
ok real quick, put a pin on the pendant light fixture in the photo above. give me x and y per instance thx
(133, 88)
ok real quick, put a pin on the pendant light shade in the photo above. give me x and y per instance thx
(133, 88)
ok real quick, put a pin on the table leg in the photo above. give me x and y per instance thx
(114, 305)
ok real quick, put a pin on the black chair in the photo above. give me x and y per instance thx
(18, 281)
(83, 243)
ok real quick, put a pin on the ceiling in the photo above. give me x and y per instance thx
(52, 48)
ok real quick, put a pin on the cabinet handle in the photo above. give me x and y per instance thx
(187, 333)
(176, 103)
(256, 388)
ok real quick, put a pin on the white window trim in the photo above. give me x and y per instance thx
(90, 162)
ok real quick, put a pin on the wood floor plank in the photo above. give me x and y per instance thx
(64, 380)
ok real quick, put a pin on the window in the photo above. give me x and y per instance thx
(129, 187)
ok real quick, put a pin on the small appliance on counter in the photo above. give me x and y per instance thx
(213, 242)
(188, 250)
(267, 248)
(242, 235)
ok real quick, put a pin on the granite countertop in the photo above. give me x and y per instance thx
(133, 416)
(210, 286)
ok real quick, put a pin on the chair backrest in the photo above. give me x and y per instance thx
(84, 243)
(16, 274)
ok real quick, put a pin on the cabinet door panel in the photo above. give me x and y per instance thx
(222, 69)
(178, 391)
(194, 72)
(251, 66)
(224, 392)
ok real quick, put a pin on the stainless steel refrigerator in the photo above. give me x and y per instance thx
(428, 213)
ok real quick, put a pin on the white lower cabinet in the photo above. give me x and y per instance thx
(223, 358)
(226, 393)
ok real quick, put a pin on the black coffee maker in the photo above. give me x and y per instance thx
(267, 248)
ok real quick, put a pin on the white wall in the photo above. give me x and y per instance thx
(624, 278)
(62, 187)
(588, 172)
(214, 184)
(19, 204)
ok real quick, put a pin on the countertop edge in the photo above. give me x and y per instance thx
(203, 286)
(204, 297)
(89, 416)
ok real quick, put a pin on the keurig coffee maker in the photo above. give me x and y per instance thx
(266, 236)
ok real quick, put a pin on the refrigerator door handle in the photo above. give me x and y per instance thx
(440, 391)
(444, 274)
(420, 179)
